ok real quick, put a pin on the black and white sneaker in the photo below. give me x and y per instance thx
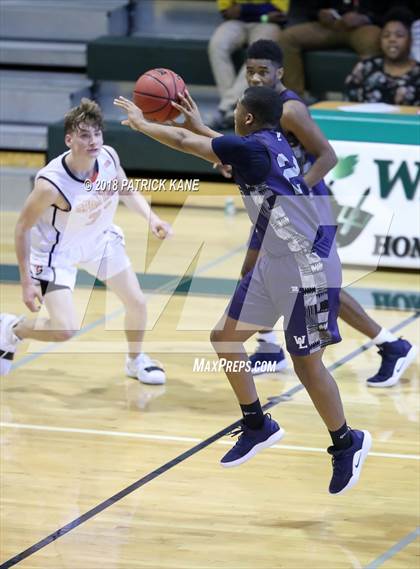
(8, 341)
(145, 370)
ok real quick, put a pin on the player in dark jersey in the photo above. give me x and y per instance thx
(315, 156)
(297, 275)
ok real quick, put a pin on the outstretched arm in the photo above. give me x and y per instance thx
(193, 122)
(174, 137)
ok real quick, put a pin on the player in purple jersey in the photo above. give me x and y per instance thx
(315, 156)
(297, 275)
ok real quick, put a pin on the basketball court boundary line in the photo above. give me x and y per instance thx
(174, 462)
(178, 439)
(392, 551)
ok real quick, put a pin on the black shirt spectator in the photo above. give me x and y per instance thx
(393, 77)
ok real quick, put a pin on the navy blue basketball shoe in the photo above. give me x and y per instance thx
(347, 463)
(267, 358)
(251, 441)
(396, 357)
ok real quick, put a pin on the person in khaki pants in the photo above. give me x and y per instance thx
(341, 23)
(245, 21)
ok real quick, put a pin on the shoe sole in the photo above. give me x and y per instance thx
(394, 379)
(280, 366)
(367, 443)
(134, 376)
(277, 436)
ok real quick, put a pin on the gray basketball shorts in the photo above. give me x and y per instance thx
(302, 288)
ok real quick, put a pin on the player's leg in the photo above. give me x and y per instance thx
(126, 286)
(257, 431)
(138, 364)
(109, 263)
(59, 326)
(227, 38)
(228, 339)
(397, 354)
(269, 350)
(250, 303)
(355, 316)
(350, 447)
(310, 321)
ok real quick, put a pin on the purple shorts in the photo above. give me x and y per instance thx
(302, 288)
(254, 241)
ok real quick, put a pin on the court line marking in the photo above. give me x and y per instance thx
(168, 465)
(392, 551)
(180, 439)
(166, 287)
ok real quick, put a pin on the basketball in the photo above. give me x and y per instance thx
(155, 90)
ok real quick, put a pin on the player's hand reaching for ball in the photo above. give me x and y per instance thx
(135, 118)
(188, 107)
(161, 229)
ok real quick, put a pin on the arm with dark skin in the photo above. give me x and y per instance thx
(174, 137)
(297, 120)
(193, 122)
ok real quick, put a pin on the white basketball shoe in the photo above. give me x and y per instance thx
(8, 341)
(145, 370)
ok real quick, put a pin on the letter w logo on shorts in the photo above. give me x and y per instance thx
(300, 341)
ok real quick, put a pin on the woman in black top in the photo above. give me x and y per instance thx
(392, 78)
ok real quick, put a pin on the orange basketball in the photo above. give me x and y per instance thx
(155, 90)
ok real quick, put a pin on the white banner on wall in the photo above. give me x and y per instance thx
(376, 187)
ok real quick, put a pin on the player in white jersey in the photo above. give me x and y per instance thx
(66, 223)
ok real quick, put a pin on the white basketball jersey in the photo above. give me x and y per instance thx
(63, 237)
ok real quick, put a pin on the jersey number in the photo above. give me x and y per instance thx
(291, 171)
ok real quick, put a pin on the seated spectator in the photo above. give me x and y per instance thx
(245, 22)
(393, 77)
(335, 23)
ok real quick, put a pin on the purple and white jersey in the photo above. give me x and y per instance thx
(299, 276)
(279, 203)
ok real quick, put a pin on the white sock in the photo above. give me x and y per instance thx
(384, 336)
(270, 336)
